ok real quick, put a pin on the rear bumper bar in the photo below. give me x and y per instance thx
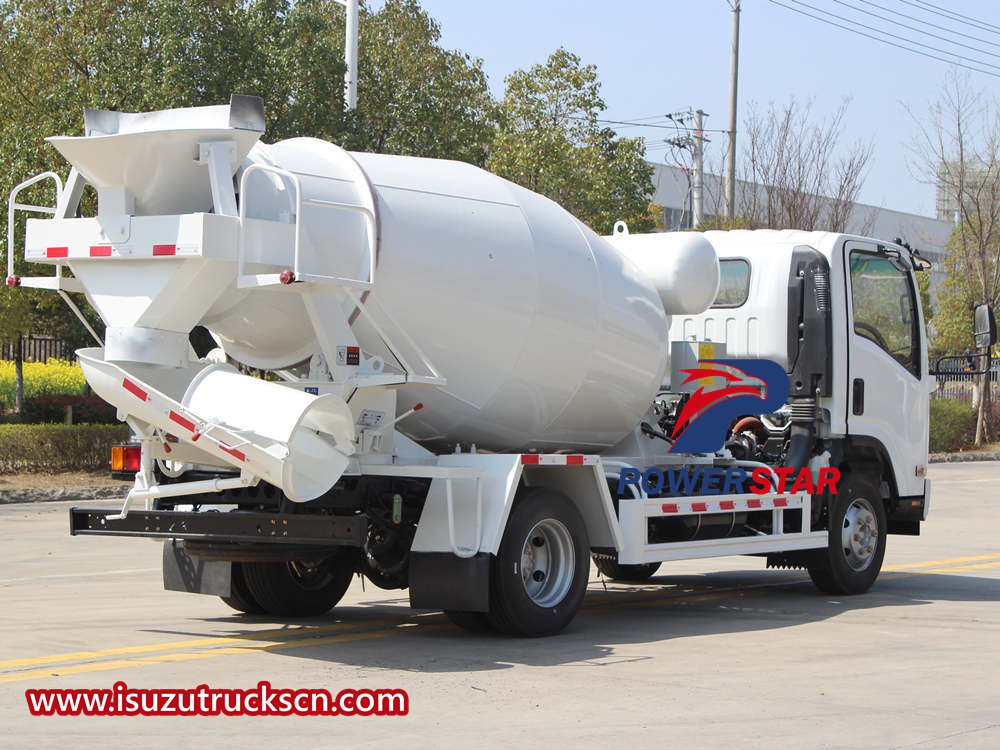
(273, 528)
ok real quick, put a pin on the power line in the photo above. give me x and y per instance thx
(891, 44)
(918, 30)
(929, 23)
(894, 36)
(950, 14)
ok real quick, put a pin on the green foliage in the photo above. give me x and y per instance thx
(952, 425)
(549, 140)
(414, 97)
(41, 379)
(51, 448)
(961, 291)
(724, 223)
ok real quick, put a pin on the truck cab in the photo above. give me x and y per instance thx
(873, 401)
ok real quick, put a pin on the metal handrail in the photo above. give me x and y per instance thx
(299, 202)
(13, 205)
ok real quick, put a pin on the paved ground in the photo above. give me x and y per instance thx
(715, 653)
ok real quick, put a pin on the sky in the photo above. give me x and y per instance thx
(655, 57)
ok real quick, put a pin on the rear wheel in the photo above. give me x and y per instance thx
(539, 576)
(299, 588)
(853, 557)
(611, 568)
(240, 597)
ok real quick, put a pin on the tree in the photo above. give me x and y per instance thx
(416, 98)
(795, 174)
(958, 150)
(549, 140)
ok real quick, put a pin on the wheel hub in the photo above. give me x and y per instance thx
(860, 534)
(548, 562)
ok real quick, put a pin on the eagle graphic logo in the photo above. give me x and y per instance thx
(752, 387)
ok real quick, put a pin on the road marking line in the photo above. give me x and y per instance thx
(104, 666)
(262, 635)
(930, 563)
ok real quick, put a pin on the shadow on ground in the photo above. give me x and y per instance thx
(666, 608)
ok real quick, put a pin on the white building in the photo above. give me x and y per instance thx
(927, 234)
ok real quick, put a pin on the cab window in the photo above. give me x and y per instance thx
(734, 282)
(885, 307)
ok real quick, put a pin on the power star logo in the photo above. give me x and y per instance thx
(753, 386)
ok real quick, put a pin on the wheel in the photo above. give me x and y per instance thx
(853, 558)
(634, 573)
(474, 622)
(240, 598)
(539, 575)
(299, 588)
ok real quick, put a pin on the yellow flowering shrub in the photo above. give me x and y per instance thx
(55, 377)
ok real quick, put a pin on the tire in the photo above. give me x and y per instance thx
(858, 525)
(539, 575)
(298, 589)
(240, 598)
(633, 573)
(474, 622)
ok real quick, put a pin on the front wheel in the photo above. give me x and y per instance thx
(539, 576)
(853, 557)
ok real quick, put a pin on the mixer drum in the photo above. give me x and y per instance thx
(549, 338)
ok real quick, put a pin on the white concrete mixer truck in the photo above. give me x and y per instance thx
(466, 392)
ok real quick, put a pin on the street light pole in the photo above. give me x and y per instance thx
(351, 55)
(734, 66)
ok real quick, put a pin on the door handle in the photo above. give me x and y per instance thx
(858, 397)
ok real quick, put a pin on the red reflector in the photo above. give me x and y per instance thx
(726, 505)
(233, 452)
(418, 406)
(287, 276)
(753, 503)
(699, 507)
(164, 249)
(14, 280)
(135, 390)
(669, 508)
(780, 502)
(57, 252)
(574, 460)
(133, 457)
(527, 459)
(354, 350)
(100, 251)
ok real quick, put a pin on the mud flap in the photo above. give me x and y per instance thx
(181, 572)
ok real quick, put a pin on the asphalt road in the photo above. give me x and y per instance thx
(712, 653)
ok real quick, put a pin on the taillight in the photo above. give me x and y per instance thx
(125, 457)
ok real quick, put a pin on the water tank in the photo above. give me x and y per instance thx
(549, 337)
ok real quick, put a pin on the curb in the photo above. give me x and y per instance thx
(952, 458)
(45, 495)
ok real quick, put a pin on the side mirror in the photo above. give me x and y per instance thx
(984, 327)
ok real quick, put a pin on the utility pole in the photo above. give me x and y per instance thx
(698, 162)
(734, 68)
(351, 53)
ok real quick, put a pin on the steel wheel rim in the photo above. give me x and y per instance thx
(548, 562)
(860, 534)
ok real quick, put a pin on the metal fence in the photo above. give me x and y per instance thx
(39, 349)
(954, 380)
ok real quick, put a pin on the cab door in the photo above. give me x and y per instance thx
(888, 397)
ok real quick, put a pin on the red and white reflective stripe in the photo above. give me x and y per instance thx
(135, 390)
(556, 459)
(721, 506)
(232, 451)
(130, 250)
